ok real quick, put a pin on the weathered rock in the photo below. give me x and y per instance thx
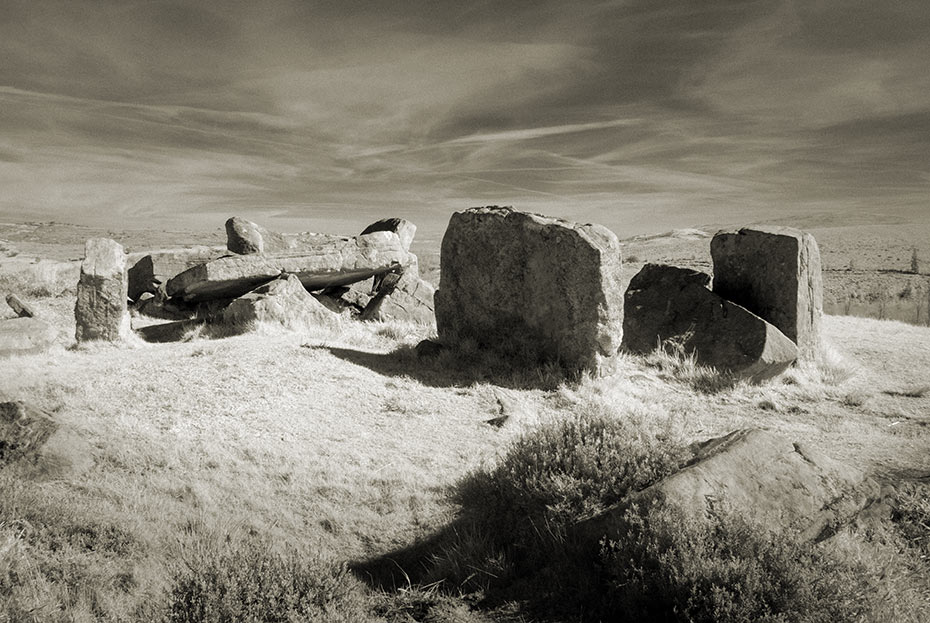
(667, 302)
(531, 287)
(245, 238)
(775, 273)
(149, 270)
(22, 430)
(101, 312)
(333, 260)
(22, 309)
(412, 301)
(404, 229)
(386, 285)
(39, 442)
(284, 301)
(765, 478)
(428, 349)
(25, 336)
(169, 331)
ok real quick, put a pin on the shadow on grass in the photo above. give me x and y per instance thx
(451, 368)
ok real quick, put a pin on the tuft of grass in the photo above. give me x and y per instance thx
(671, 359)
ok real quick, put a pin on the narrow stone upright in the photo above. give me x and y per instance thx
(100, 312)
(531, 287)
(775, 273)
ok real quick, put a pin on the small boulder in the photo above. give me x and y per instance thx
(404, 229)
(666, 302)
(22, 430)
(284, 301)
(531, 287)
(25, 336)
(39, 443)
(22, 309)
(101, 312)
(775, 273)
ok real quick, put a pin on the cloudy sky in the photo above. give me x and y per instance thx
(639, 114)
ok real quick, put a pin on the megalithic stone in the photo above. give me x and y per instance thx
(101, 312)
(147, 270)
(775, 273)
(332, 261)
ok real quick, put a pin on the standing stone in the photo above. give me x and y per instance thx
(23, 310)
(244, 237)
(404, 229)
(531, 287)
(669, 303)
(100, 312)
(775, 273)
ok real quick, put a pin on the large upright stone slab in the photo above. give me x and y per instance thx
(670, 303)
(100, 312)
(149, 270)
(331, 261)
(775, 273)
(531, 287)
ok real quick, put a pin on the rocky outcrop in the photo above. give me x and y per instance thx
(101, 312)
(531, 287)
(669, 303)
(150, 270)
(775, 273)
(25, 336)
(763, 477)
(283, 301)
(404, 229)
(332, 261)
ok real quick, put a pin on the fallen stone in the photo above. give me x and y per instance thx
(22, 430)
(410, 301)
(763, 477)
(669, 303)
(531, 287)
(775, 273)
(404, 229)
(428, 348)
(169, 331)
(101, 312)
(245, 238)
(22, 309)
(386, 285)
(25, 336)
(283, 301)
(149, 270)
(333, 261)
(39, 443)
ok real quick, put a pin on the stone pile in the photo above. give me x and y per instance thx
(762, 315)
(265, 276)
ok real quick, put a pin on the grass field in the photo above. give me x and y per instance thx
(245, 478)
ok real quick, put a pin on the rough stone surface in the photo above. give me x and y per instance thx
(22, 309)
(333, 260)
(766, 478)
(670, 303)
(531, 287)
(149, 270)
(22, 430)
(25, 336)
(284, 301)
(168, 331)
(404, 229)
(101, 312)
(245, 237)
(775, 273)
(39, 443)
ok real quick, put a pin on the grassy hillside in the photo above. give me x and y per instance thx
(243, 477)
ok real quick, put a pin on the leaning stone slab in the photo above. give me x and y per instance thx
(670, 303)
(149, 270)
(245, 238)
(22, 309)
(283, 301)
(100, 312)
(25, 336)
(404, 229)
(763, 477)
(531, 287)
(773, 272)
(410, 300)
(332, 261)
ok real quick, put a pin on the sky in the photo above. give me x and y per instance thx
(642, 115)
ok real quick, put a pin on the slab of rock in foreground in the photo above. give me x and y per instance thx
(284, 301)
(773, 272)
(100, 312)
(149, 270)
(766, 478)
(334, 260)
(530, 286)
(25, 336)
(667, 302)
(404, 229)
